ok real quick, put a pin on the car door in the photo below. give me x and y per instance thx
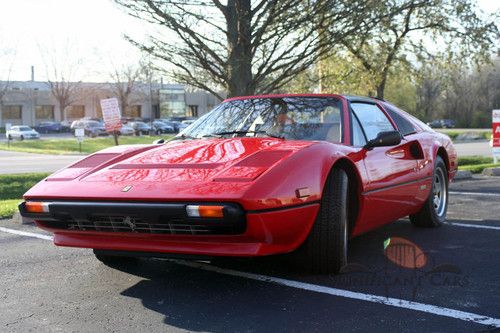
(392, 177)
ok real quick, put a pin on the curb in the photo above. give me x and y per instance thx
(463, 174)
(495, 172)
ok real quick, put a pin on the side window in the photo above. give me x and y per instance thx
(372, 119)
(358, 137)
(404, 126)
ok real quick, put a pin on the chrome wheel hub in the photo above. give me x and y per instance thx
(439, 193)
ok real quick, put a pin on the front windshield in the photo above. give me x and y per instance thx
(294, 118)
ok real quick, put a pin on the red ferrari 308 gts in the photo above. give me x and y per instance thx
(256, 176)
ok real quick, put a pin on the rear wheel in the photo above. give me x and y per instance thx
(108, 259)
(433, 213)
(325, 249)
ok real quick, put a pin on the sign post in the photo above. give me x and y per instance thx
(79, 133)
(7, 129)
(111, 115)
(495, 137)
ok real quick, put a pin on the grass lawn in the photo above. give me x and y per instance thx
(70, 146)
(12, 188)
(453, 133)
(478, 168)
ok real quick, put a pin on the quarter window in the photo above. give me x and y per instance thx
(405, 127)
(372, 119)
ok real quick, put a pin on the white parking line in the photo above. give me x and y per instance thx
(477, 226)
(475, 193)
(400, 303)
(25, 233)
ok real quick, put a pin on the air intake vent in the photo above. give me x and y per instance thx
(263, 159)
(93, 161)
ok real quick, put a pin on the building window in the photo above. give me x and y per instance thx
(75, 112)
(44, 112)
(133, 111)
(192, 111)
(172, 103)
(12, 112)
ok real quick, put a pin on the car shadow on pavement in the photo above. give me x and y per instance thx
(199, 300)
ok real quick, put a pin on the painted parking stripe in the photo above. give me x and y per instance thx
(25, 233)
(475, 193)
(400, 303)
(477, 226)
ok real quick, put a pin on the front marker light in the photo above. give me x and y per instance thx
(37, 207)
(205, 211)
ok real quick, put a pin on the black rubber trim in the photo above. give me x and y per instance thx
(265, 210)
(82, 210)
(396, 185)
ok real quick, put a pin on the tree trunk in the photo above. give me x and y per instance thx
(239, 37)
(381, 87)
(62, 107)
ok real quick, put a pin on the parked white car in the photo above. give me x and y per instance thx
(21, 133)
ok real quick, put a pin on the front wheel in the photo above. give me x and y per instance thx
(433, 212)
(21, 137)
(325, 249)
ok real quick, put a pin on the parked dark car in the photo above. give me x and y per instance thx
(65, 126)
(49, 127)
(92, 128)
(140, 127)
(442, 123)
(160, 127)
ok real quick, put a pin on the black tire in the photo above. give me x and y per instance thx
(9, 137)
(158, 132)
(111, 260)
(429, 215)
(21, 137)
(325, 249)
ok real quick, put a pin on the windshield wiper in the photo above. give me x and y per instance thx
(183, 137)
(245, 132)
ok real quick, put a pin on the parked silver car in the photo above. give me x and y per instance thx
(126, 130)
(21, 133)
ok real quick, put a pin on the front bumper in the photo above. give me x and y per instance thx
(247, 234)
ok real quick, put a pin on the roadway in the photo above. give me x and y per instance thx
(49, 289)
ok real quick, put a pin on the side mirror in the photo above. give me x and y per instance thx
(384, 139)
(159, 141)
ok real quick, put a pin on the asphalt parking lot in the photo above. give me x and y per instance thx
(45, 288)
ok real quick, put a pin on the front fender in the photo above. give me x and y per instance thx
(300, 178)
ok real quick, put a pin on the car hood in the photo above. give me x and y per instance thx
(188, 169)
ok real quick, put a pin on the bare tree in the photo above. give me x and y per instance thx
(6, 72)
(125, 81)
(245, 46)
(62, 69)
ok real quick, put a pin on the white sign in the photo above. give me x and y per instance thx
(111, 114)
(79, 132)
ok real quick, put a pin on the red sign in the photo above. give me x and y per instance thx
(496, 128)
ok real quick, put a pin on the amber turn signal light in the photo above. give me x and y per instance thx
(205, 211)
(37, 207)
